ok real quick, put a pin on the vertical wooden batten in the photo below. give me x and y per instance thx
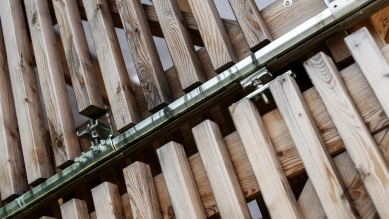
(182, 51)
(356, 136)
(74, 209)
(25, 92)
(151, 75)
(55, 97)
(318, 163)
(263, 158)
(213, 33)
(107, 201)
(117, 82)
(82, 73)
(13, 180)
(250, 20)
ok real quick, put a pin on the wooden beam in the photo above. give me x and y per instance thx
(179, 181)
(220, 171)
(250, 20)
(117, 83)
(25, 91)
(317, 161)
(381, 21)
(64, 139)
(338, 49)
(213, 33)
(276, 190)
(74, 209)
(141, 191)
(83, 76)
(127, 206)
(182, 51)
(368, 24)
(358, 141)
(13, 180)
(145, 55)
(107, 201)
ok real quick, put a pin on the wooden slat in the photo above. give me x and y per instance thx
(13, 180)
(64, 140)
(74, 209)
(182, 51)
(116, 80)
(107, 201)
(25, 91)
(213, 33)
(85, 86)
(220, 171)
(272, 181)
(250, 20)
(180, 183)
(338, 48)
(93, 215)
(141, 191)
(357, 139)
(127, 206)
(379, 21)
(368, 23)
(311, 147)
(372, 63)
(144, 53)
(46, 217)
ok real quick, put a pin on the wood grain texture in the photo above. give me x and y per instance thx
(63, 135)
(272, 181)
(127, 206)
(369, 25)
(356, 136)
(180, 182)
(379, 21)
(213, 33)
(74, 209)
(25, 92)
(93, 215)
(82, 73)
(220, 171)
(141, 191)
(250, 20)
(311, 147)
(145, 55)
(13, 180)
(107, 201)
(113, 69)
(182, 51)
(338, 48)
(372, 63)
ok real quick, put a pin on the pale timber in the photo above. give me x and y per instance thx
(317, 161)
(276, 191)
(220, 171)
(107, 201)
(357, 139)
(63, 135)
(74, 209)
(373, 64)
(380, 20)
(148, 65)
(338, 48)
(117, 83)
(127, 206)
(213, 33)
(13, 180)
(25, 91)
(180, 182)
(184, 56)
(141, 191)
(82, 73)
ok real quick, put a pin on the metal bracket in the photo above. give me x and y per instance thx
(257, 81)
(340, 8)
(97, 130)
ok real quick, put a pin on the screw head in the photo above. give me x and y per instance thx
(103, 142)
(288, 3)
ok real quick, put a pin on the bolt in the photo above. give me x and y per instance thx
(385, 22)
(264, 98)
(288, 3)
(103, 143)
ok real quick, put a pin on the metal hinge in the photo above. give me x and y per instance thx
(341, 8)
(98, 131)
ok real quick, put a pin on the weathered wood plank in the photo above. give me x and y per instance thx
(250, 20)
(372, 63)
(338, 48)
(25, 91)
(213, 33)
(358, 141)
(220, 171)
(107, 201)
(116, 80)
(368, 24)
(13, 180)
(55, 97)
(74, 209)
(272, 181)
(141, 191)
(380, 20)
(180, 182)
(127, 206)
(311, 147)
(182, 51)
(152, 78)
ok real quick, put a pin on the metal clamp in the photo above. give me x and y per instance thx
(258, 81)
(340, 8)
(97, 131)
